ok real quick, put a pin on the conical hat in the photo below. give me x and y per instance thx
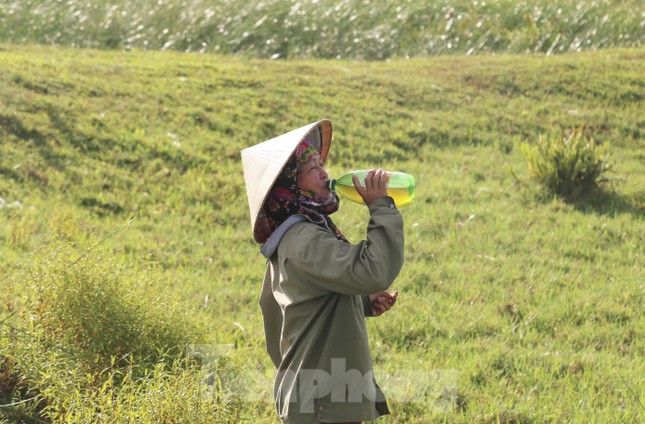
(263, 163)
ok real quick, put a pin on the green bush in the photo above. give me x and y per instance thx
(98, 311)
(568, 165)
(167, 394)
(89, 330)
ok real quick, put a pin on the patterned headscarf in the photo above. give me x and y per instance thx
(286, 198)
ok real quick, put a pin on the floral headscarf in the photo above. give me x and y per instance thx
(286, 198)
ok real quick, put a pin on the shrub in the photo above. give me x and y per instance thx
(167, 394)
(97, 311)
(568, 165)
(86, 325)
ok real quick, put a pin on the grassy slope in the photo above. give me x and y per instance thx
(535, 303)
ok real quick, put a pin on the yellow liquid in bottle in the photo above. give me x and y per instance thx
(401, 196)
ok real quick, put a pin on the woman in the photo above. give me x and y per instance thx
(318, 287)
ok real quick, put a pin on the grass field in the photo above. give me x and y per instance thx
(126, 249)
(346, 29)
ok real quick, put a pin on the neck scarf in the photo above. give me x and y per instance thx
(286, 198)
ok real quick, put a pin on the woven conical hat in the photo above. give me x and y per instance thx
(263, 163)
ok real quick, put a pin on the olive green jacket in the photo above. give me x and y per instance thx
(314, 302)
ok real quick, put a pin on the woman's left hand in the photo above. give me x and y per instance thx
(382, 302)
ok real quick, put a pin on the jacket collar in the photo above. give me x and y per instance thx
(271, 245)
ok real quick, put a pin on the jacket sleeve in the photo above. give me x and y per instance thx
(316, 257)
(272, 316)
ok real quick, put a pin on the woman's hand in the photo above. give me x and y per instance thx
(382, 302)
(375, 185)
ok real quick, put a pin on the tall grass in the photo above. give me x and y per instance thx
(569, 165)
(359, 29)
(87, 331)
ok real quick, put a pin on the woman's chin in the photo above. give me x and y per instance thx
(324, 195)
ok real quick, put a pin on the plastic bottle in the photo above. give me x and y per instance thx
(400, 187)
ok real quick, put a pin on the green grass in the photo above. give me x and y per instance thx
(358, 29)
(120, 174)
(568, 164)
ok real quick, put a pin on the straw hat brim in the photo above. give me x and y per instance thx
(264, 162)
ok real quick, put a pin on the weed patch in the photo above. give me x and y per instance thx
(569, 165)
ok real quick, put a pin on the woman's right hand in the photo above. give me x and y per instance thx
(375, 185)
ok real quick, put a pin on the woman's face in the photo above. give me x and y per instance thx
(313, 176)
